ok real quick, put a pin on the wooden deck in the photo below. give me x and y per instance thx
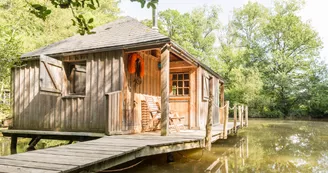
(106, 152)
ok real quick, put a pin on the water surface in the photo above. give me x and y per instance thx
(264, 146)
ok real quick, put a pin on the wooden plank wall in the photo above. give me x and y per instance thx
(150, 85)
(202, 105)
(36, 111)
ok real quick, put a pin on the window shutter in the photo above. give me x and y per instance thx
(51, 72)
(79, 79)
(206, 90)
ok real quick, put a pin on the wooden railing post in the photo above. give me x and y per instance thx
(226, 116)
(242, 116)
(246, 116)
(235, 118)
(239, 115)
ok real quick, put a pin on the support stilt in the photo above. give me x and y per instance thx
(13, 145)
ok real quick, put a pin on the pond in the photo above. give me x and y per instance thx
(264, 146)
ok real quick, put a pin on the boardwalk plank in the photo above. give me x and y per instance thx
(14, 169)
(45, 158)
(28, 164)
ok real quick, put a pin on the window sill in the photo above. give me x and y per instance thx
(73, 96)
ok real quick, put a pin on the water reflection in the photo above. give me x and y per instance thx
(232, 158)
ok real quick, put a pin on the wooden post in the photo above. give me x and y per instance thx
(226, 166)
(13, 144)
(246, 116)
(226, 116)
(221, 103)
(247, 147)
(235, 118)
(208, 136)
(242, 116)
(239, 115)
(236, 161)
(165, 69)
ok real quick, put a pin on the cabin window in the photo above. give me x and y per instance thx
(180, 84)
(205, 87)
(76, 76)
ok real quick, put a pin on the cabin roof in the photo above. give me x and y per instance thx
(120, 34)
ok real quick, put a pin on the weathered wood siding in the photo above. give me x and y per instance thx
(35, 110)
(201, 104)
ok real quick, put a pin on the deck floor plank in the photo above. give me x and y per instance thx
(29, 164)
(15, 169)
(108, 149)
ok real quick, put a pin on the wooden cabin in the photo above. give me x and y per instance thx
(83, 84)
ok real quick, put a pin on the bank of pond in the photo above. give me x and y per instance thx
(265, 146)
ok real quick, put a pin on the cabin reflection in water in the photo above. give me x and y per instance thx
(239, 152)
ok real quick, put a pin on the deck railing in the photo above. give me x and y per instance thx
(240, 117)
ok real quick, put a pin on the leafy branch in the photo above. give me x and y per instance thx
(84, 25)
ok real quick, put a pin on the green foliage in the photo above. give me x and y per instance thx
(21, 31)
(194, 31)
(84, 25)
(150, 3)
(284, 49)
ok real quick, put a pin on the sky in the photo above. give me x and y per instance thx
(314, 11)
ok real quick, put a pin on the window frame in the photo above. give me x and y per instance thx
(70, 71)
(183, 87)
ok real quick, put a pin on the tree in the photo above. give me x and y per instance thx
(194, 31)
(282, 49)
(292, 47)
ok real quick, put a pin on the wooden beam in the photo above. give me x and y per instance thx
(165, 72)
(180, 64)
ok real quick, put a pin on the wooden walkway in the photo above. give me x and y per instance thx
(106, 152)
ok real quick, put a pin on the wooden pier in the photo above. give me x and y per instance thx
(106, 152)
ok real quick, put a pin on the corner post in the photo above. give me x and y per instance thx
(165, 73)
(235, 118)
(208, 136)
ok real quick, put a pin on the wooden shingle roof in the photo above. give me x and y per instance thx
(122, 32)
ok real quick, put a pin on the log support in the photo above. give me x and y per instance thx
(165, 68)
(209, 122)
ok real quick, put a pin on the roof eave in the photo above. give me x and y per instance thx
(194, 60)
(154, 43)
